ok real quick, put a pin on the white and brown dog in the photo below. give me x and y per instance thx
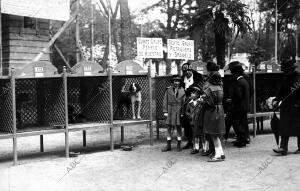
(135, 96)
(128, 98)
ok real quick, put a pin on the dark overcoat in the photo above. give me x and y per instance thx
(290, 105)
(213, 122)
(172, 105)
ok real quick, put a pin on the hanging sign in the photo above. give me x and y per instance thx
(44, 9)
(149, 47)
(180, 49)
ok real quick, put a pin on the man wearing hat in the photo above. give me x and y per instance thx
(289, 96)
(240, 104)
(173, 100)
(190, 78)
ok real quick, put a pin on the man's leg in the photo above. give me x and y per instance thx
(298, 150)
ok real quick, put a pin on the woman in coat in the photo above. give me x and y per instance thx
(214, 122)
(289, 95)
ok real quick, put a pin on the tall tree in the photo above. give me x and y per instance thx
(126, 39)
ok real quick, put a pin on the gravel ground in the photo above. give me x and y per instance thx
(145, 167)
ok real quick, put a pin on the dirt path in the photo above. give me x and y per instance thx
(147, 168)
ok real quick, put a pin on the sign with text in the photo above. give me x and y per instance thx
(149, 47)
(180, 49)
(44, 9)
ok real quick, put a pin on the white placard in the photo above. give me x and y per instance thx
(39, 71)
(44, 9)
(87, 70)
(180, 49)
(149, 47)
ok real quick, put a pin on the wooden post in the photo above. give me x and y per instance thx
(41, 143)
(1, 59)
(111, 108)
(84, 138)
(150, 104)
(92, 30)
(77, 32)
(254, 100)
(14, 114)
(110, 86)
(122, 134)
(66, 112)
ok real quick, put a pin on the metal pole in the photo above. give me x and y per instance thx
(66, 111)
(77, 32)
(254, 100)
(276, 35)
(14, 116)
(150, 104)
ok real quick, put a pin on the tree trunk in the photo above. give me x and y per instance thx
(220, 43)
(126, 46)
(196, 37)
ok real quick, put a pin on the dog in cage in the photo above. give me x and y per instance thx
(128, 100)
(74, 117)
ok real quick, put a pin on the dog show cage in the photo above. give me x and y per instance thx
(36, 100)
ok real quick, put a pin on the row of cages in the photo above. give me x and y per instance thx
(266, 86)
(40, 103)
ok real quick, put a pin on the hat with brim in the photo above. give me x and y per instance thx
(235, 65)
(195, 88)
(288, 66)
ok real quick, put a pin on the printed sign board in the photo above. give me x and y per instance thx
(39, 71)
(149, 47)
(180, 49)
(44, 9)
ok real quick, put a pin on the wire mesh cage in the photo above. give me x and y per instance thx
(6, 108)
(160, 87)
(122, 97)
(39, 103)
(88, 99)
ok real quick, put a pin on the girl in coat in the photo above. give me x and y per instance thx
(194, 112)
(214, 123)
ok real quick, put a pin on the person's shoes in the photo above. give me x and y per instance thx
(179, 146)
(234, 142)
(189, 145)
(240, 145)
(297, 151)
(194, 151)
(133, 117)
(215, 159)
(223, 157)
(248, 140)
(168, 147)
(280, 151)
(206, 153)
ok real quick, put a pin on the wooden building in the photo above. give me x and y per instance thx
(22, 39)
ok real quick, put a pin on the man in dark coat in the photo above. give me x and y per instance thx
(289, 96)
(190, 77)
(240, 104)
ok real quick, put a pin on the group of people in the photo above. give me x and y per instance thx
(195, 102)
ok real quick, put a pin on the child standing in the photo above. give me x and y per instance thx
(172, 103)
(194, 112)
